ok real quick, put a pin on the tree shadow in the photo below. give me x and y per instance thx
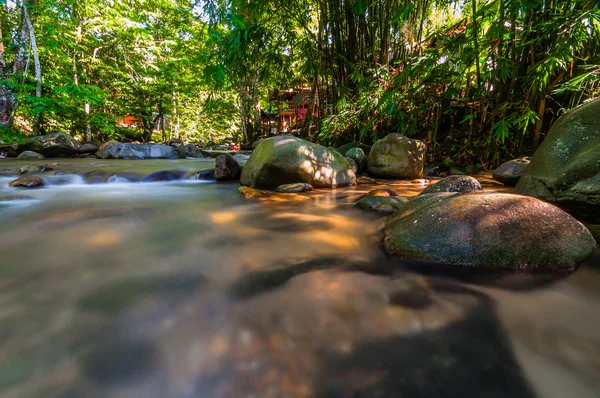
(469, 358)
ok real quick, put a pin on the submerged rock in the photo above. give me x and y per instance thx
(226, 168)
(30, 155)
(397, 157)
(163, 175)
(287, 159)
(251, 193)
(28, 182)
(205, 175)
(454, 184)
(385, 192)
(138, 151)
(34, 168)
(566, 167)
(364, 180)
(294, 188)
(381, 204)
(487, 230)
(51, 145)
(509, 173)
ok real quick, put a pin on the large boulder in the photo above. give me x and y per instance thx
(286, 159)
(51, 145)
(138, 151)
(397, 157)
(454, 184)
(226, 168)
(566, 167)
(487, 230)
(509, 173)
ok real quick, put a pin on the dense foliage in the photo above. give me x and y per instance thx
(479, 80)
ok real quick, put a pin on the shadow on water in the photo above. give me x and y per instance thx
(118, 295)
(504, 279)
(470, 358)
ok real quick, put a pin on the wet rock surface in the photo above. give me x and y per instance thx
(454, 184)
(488, 230)
(34, 168)
(28, 182)
(380, 204)
(294, 188)
(397, 157)
(509, 173)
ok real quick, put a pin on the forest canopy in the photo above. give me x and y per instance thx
(473, 79)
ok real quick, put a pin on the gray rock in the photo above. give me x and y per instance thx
(51, 145)
(397, 157)
(487, 230)
(192, 151)
(509, 173)
(287, 159)
(87, 148)
(457, 171)
(30, 155)
(454, 184)
(566, 167)
(226, 168)
(138, 151)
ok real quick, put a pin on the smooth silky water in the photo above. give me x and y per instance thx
(182, 289)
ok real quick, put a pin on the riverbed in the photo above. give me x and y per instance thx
(183, 289)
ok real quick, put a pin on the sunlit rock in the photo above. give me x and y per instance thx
(353, 165)
(251, 193)
(397, 157)
(454, 184)
(509, 173)
(287, 159)
(487, 230)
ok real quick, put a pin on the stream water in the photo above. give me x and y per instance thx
(182, 289)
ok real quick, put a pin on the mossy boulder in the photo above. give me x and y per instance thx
(500, 231)
(509, 173)
(566, 167)
(380, 204)
(454, 184)
(51, 145)
(397, 157)
(287, 159)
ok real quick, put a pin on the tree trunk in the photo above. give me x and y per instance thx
(37, 67)
(6, 96)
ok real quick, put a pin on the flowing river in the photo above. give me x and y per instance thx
(182, 289)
